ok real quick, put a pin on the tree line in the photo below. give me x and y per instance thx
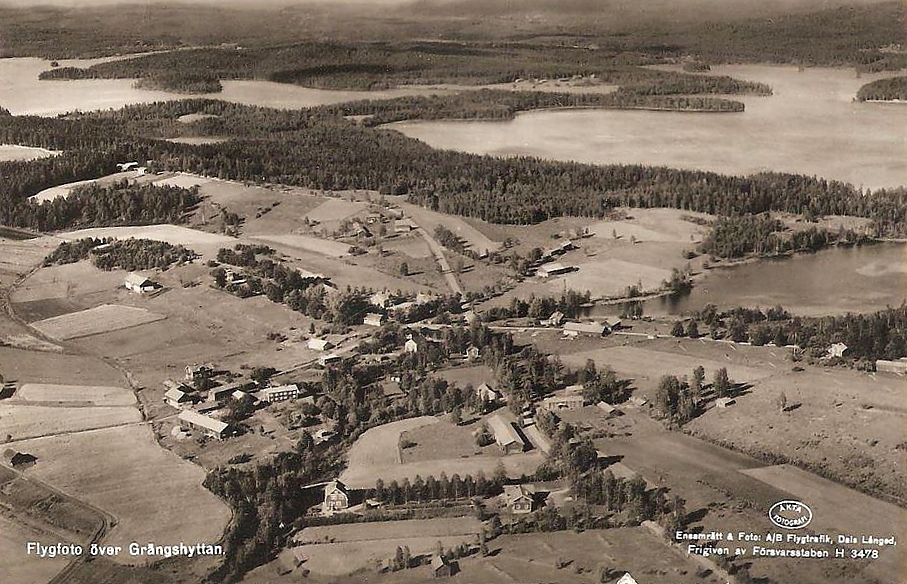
(871, 336)
(129, 254)
(893, 88)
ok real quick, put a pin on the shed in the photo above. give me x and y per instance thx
(584, 328)
(608, 409)
(885, 366)
(556, 318)
(140, 284)
(373, 319)
(320, 344)
(554, 269)
(176, 398)
(441, 568)
(206, 424)
(506, 435)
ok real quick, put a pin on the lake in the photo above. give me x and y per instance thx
(23, 94)
(832, 281)
(811, 125)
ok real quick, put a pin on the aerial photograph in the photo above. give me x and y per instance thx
(466, 291)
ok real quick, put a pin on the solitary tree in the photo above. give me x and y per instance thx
(782, 401)
(677, 330)
(404, 269)
(722, 383)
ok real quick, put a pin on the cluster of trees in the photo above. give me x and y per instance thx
(742, 235)
(129, 254)
(438, 489)
(527, 376)
(450, 240)
(602, 385)
(884, 89)
(572, 303)
(264, 499)
(877, 335)
(95, 205)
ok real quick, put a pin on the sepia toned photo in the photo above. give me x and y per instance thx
(466, 291)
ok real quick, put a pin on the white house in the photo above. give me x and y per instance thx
(836, 350)
(626, 579)
(411, 346)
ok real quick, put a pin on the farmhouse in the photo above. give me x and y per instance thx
(19, 459)
(885, 366)
(280, 393)
(506, 435)
(411, 346)
(554, 269)
(336, 498)
(176, 398)
(573, 329)
(520, 499)
(485, 393)
(373, 319)
(320, 344)
(140, 284)
(836, 350)
(206, 424)
(441, 568)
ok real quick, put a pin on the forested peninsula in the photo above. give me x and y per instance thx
(317, 149)
(891, 89)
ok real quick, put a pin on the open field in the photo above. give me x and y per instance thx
(115, 468)
(334, 209)
(183, 180)
(19, 256)
(198, 140)
(652, 364)
(378, 446)
(67, 281)
(375, 455)
(308, 243)
(439, 527)
(29, 343)
(719, 482)
(464, 376)
(606, 277)
(839, 510)
(31, 366)
(18, 568)
(27, 421)
(443, 440)
(173, 234)
(10, 152)
(848, 423)
(414, 247)
(65, 189)
(97, 395)
(337, 559)
(102, 319)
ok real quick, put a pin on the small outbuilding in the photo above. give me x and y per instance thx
(441, 568)
(141, 284)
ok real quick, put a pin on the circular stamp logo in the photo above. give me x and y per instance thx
(790, 514)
